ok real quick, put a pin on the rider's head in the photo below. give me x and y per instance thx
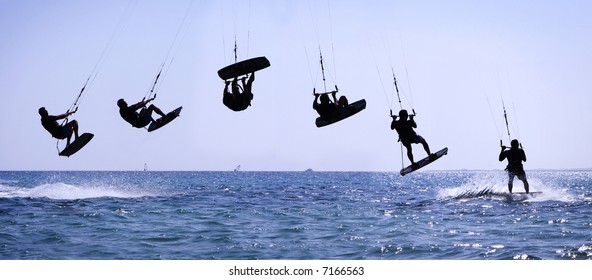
(324, 99)
(121, 103)
(514, 144)
(403, 114)
(43, 112)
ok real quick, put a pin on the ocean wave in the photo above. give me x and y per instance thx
(583, 252)
(494, 185)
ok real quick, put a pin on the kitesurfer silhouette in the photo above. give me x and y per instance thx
(515, 156)
(237, 99)
(328, 109)
(141, 119)
(58, 131)
(407, 135)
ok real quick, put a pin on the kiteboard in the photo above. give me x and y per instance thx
(423, 162)
(243, 67)
(522, 196)
(348, 111)
(162, 121)
(533, 194)
(75, 146)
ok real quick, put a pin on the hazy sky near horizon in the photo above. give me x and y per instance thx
(455, 62)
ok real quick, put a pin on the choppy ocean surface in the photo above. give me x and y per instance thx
(448, 215)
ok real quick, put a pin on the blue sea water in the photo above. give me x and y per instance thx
(436, 215)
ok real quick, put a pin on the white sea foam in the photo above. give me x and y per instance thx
(70, 192)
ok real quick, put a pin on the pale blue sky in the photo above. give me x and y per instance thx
(448, 56)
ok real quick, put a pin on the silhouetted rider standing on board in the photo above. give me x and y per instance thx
(515, 156)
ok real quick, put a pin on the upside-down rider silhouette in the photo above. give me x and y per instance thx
(239, 98)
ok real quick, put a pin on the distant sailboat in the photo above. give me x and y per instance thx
(237, 169)
(145, 167)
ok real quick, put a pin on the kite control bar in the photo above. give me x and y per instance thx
(322, 93)
(411, 115)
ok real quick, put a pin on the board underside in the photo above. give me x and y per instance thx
(243, 68)
(78, 144)
(162, 121)
(349, 111)
(423, 162)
